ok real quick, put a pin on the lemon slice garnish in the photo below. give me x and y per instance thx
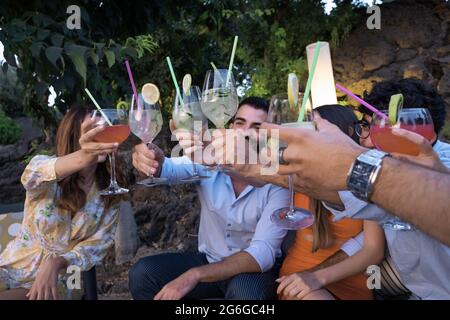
(187, 81)
(150, 93)
(292, 90)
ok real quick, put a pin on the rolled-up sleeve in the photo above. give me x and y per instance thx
(353, 245)
(265, 244)
(177, 168)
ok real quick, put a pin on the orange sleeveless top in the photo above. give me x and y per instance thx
(301, 258)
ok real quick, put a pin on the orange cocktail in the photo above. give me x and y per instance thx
(116, 133)
(415, 120)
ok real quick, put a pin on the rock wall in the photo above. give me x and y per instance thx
(414, 41)
(12, 162)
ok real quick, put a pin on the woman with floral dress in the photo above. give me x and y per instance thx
(66, 222)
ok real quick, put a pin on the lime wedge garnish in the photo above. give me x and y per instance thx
(150, 93)
(122, 105)
(395, 107)
(292, 90)
(187, 81)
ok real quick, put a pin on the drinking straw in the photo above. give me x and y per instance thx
(231, 60)
(214, 66)
(216, 70)
(361, 101)
(301, 116)
(133, 86)
(98, 107)
(177, 88)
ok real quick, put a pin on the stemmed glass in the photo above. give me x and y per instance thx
(283, 113)
(117, 132)
(219, 99)
(187, 115)
(417, 120)
(146, 123)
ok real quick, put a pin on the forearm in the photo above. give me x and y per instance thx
(254, 172)
(336, 258)
(241, 262)
(417, 195)
(72, 163)
(61, 263)
(347, 267)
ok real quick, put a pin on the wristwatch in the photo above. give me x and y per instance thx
(364, 172)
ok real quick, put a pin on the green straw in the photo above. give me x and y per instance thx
(177, 88)
(231, 60)
(301, 116)
(98, 107)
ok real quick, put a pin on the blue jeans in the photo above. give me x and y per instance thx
(150, 274)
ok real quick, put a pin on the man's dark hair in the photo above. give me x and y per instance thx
(416, 93)
(256, 102)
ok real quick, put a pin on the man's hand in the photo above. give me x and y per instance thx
(320, 159)
(191, 143)
(147, 160)
(298, 285)
(427, 157)
(181, 286)
(45, 286)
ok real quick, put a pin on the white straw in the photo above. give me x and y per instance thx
(98, 107)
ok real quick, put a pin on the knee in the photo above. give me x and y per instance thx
(245, 288)
(140, 280)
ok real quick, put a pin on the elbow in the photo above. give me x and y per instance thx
(376, 254)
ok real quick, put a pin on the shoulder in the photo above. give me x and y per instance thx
(274, 191)
(40, 160)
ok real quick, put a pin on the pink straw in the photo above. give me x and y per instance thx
(133, 86)
(361, 101)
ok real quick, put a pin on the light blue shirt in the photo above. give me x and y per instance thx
(228, 224)
(422, 262)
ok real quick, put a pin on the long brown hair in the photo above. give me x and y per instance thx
(71, 196)
(320, 227)
(345, 119)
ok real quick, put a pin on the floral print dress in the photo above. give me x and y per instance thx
(83, 240)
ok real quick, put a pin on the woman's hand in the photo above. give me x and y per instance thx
(427, 156)
(298, 285)
(45, 286)
(91, 148)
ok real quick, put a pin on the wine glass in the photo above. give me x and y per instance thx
(417, 120)
(286, 114)
(118, 132)
(187, 115)
(219, 99)
(145, 123)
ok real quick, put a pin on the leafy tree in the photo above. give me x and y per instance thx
(272, 39)
(44, 53)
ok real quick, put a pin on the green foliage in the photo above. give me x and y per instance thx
(36, 148)
(46, 53)
(272, 39)
(10, 132)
